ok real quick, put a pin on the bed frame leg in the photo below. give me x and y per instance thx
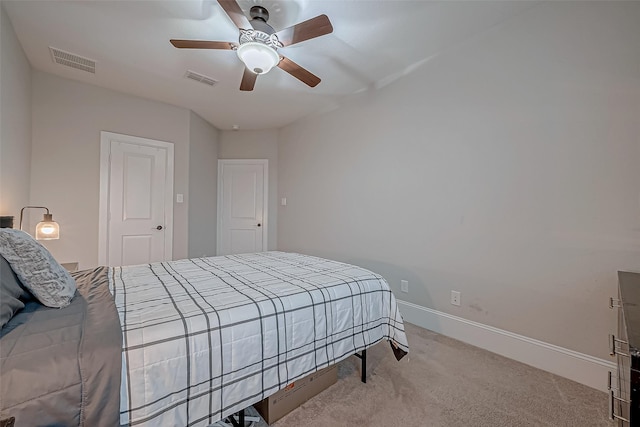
(363, 369)
(240, 422)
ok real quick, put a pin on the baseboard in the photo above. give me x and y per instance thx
(579, 367)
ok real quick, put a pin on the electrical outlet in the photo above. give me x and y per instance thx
(404, 286)
(455, 298)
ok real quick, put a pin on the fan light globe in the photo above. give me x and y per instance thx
(258, 57)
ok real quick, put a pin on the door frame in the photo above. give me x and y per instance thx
(105, 179)
(265, 201)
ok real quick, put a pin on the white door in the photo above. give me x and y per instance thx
(138, 210)
(242, 206)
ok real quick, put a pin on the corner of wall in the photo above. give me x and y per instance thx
(16, 120)
(203, 177)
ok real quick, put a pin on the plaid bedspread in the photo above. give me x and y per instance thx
(204, 338)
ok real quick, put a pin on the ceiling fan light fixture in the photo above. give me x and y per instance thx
(258, 57)
(258, 43)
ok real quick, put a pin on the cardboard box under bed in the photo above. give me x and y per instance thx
(295, 394)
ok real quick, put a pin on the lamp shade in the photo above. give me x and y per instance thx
(47, 229)
(258, 57)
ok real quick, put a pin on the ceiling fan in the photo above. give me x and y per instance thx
(258, 44)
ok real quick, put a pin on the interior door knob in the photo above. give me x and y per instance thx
(259, 224)
(159, 227)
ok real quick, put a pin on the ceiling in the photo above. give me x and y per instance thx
(373, 43)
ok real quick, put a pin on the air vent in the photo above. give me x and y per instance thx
(200, 78)
(72, 60)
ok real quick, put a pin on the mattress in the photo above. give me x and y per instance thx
(204, 338)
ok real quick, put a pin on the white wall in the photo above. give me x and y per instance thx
(67, 119)
(203, 187)
(15, 125)
(507, 168)
(261, 144)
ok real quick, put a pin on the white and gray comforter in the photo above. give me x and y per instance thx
(204, 338)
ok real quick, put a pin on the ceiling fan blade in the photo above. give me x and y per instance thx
(309, 29)
(248, 80)
(235, 13)
(202, 44)
(298, 72)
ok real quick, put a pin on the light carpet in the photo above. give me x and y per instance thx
(444, 382)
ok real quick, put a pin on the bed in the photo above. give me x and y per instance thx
(62, 366)
(188, 342)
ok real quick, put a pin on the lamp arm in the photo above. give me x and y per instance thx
(30, 207)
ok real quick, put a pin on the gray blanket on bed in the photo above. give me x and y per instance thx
(63, 366)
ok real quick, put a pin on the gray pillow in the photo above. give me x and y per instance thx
(36, 268)
(10, 292)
